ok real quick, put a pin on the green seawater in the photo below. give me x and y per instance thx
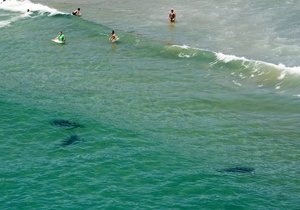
(159, 124)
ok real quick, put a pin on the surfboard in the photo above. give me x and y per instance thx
(114, 40)
(58, 41)
(79, 15)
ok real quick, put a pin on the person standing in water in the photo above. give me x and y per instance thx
(172, 15)
(113, 36)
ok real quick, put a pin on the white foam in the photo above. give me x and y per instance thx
(181, 46)
(282, 67)
(186, 47)
(229, 58)
(22, 6)
(11, 20)
(236, 83)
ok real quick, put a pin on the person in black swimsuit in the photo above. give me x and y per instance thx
(76, 12)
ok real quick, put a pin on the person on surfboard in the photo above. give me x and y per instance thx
(76, 12)
(61, 37)
(113, 36)
(172, 15)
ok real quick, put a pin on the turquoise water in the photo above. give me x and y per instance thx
(159, 121)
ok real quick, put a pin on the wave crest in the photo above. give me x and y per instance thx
(190, 52)
(22, 6)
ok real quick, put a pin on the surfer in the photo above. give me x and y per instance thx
(76, 12)
(61, 37)
(113, 36)
(172, 15)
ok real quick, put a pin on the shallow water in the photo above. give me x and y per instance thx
(163, 118)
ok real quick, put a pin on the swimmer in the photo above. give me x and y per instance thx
(76, 12)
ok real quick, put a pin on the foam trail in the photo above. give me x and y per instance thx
(20, 9)
(11, 20)
(22, 6)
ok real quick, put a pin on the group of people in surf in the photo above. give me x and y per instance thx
(61, 37)
(113, 37)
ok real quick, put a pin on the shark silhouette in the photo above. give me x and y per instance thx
(238, 170)
(66, 124)
(70, 140)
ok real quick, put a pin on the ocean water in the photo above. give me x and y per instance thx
(200, 114)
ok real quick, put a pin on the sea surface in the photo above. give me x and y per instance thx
(203, 113)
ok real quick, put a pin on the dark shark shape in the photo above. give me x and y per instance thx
(70, 140)
(66, 124)
(238, 170)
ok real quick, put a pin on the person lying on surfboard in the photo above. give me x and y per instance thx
(113, 36)
(172, 15)
(61, 37)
